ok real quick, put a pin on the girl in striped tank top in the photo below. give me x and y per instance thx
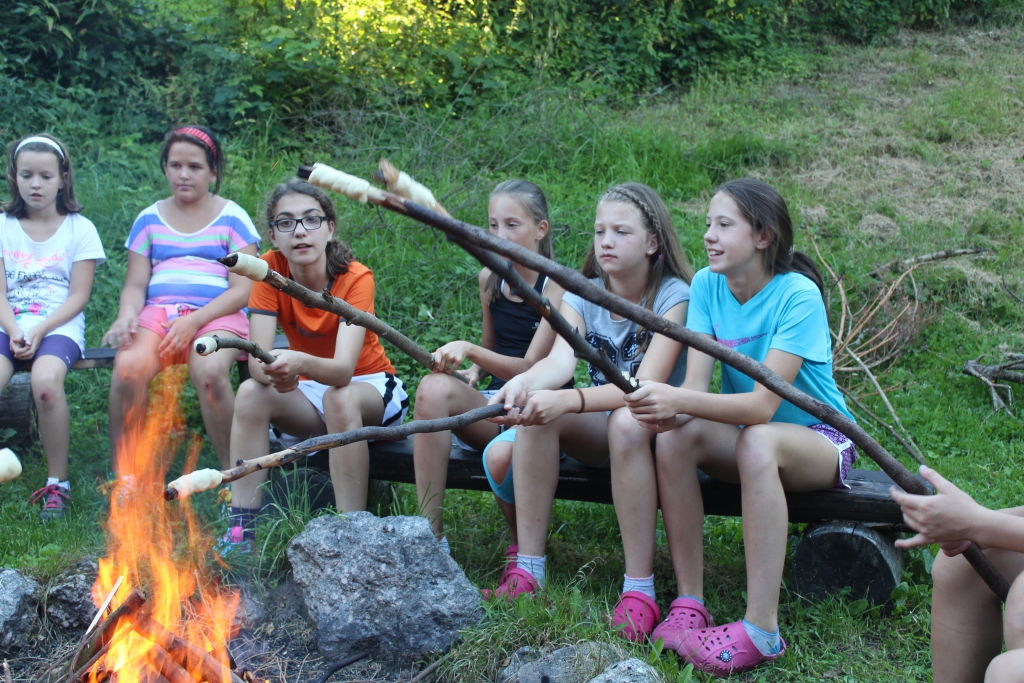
(175, 291)
(514, 338)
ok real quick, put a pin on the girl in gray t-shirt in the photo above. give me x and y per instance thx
(635, 254)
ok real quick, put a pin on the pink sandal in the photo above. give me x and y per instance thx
(635, 615)
(684, 615)
(724, 650)
(517, 582)
(511, 554)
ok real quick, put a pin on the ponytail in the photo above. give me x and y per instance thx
(339, 255)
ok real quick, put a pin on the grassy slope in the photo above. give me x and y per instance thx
(922, 130)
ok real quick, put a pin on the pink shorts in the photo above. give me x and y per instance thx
(153, 317)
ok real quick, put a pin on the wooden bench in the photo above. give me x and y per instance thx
(849, 542)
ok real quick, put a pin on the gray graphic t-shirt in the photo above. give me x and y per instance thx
(618, 338)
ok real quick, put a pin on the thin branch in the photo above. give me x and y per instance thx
(207, 345)
(246, 467)
(896, 435)
(988, 374)
(839, 283)
(426, 672)
(1007, 287)
(885, 399)
(900, 264)
(325, 301)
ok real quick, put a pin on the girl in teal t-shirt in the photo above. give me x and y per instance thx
(760, 298)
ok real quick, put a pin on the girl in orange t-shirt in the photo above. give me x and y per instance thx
(332, 378)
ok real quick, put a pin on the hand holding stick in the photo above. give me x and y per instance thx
(581, 286)
(257, 269)
(207, 345)
(202, 480)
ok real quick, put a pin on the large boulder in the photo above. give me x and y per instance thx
(574, 664)
(19, 602)
(382, 585)
(631, 670)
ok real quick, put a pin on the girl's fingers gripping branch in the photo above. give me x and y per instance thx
(947, 517)
(652, 403)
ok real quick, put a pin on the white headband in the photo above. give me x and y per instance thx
(45, 141)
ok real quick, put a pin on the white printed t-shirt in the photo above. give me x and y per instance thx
(39, 273)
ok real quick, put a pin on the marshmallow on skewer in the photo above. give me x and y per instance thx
(206, 345)
(196, 482)
(250, 266)
(343, 183)
(10, 466)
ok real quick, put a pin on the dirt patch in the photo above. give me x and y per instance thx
(877, 225)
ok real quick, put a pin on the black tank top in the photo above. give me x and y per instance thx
(514, 326)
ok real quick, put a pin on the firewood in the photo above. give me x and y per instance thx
(188, 656)
(162, 662)
(207, 345)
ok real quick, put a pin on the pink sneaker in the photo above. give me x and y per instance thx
(517, 582)
(54, 499)
(684, 615)
(511, 554)
(635, 614)
(724, 650)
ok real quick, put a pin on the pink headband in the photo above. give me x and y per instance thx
(203, 137)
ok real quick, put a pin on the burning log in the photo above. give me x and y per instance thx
(194, 482)
(574, 282)
(124, 616)
(207, 345)
(187, 655)
(159, 660)
(257, 270)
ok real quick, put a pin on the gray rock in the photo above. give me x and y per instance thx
(69, 604)
(19, 600)
(631, 670)
(382, 585)
(574, 664)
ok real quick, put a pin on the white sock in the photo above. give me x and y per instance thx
(766, 643)
(537, 566)
(690, 597)
(66, 485)
(645, 586)
(444, 545)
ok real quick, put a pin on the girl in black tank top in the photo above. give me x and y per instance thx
(514, 338)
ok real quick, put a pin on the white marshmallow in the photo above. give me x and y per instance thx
(195, 482)
(352, 187)
(250, 266)
(10, 466)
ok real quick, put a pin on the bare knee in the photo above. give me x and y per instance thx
(1013, 617)
(499, 459)
(954, 576)
(252, 402)
(626, 437)
(756, 451)
(131, 372)
(342, 408)
(680, 446)
(47, 388)
(433, 396)
(1006, 668)
(209, 379)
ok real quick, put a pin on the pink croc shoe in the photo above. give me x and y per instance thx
(511, 553)
(635, 615)
(724, 650)
(517, 582)
(684, 615)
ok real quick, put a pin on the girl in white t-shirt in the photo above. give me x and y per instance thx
(49, 253)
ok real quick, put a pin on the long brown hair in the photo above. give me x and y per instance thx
(531, 198)
(339, 255)
(668, 261)
(66, 202)
(764, 208)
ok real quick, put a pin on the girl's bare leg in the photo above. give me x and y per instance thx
(350, 407)
(134, 368)
(772, 459)
(256, 407)
(6, 372)
(535, 468)
(967, 618)
(48, 373)
(499, 459)
(1008, 667)
(710, 446)
(634, 490)
(439, 396)
(211, 376)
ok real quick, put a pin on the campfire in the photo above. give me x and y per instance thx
(163, 617)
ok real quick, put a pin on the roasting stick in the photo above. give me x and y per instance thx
(574, 282)
(207, 345)
(405, 186)
(256, 269)
(203, 480)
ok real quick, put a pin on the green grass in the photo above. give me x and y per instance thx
(923, 129)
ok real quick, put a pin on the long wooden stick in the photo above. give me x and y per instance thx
(899, 264)
(325, 301)
(207, 345)
(319, 443)
(574, 282)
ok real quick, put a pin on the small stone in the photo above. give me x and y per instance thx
(381, 585)
(631, 670)
(19, 602)
(573, 664)
(69, 604)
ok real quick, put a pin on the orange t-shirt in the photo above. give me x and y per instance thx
(313, 331)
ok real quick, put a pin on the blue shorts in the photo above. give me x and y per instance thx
(57, 345)
(505, 490)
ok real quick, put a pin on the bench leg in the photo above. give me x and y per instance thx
(18, 409)
(836, 555)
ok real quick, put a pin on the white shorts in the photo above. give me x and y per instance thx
(396, 401)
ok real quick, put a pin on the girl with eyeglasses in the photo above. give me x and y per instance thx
(332, 378)
(176, 291)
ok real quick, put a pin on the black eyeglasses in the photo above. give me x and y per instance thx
(307, 222)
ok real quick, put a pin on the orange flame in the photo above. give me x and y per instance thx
(159, 547)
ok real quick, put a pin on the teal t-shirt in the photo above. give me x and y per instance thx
(789, 315)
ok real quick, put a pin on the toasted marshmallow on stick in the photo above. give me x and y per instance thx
(10, 466)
